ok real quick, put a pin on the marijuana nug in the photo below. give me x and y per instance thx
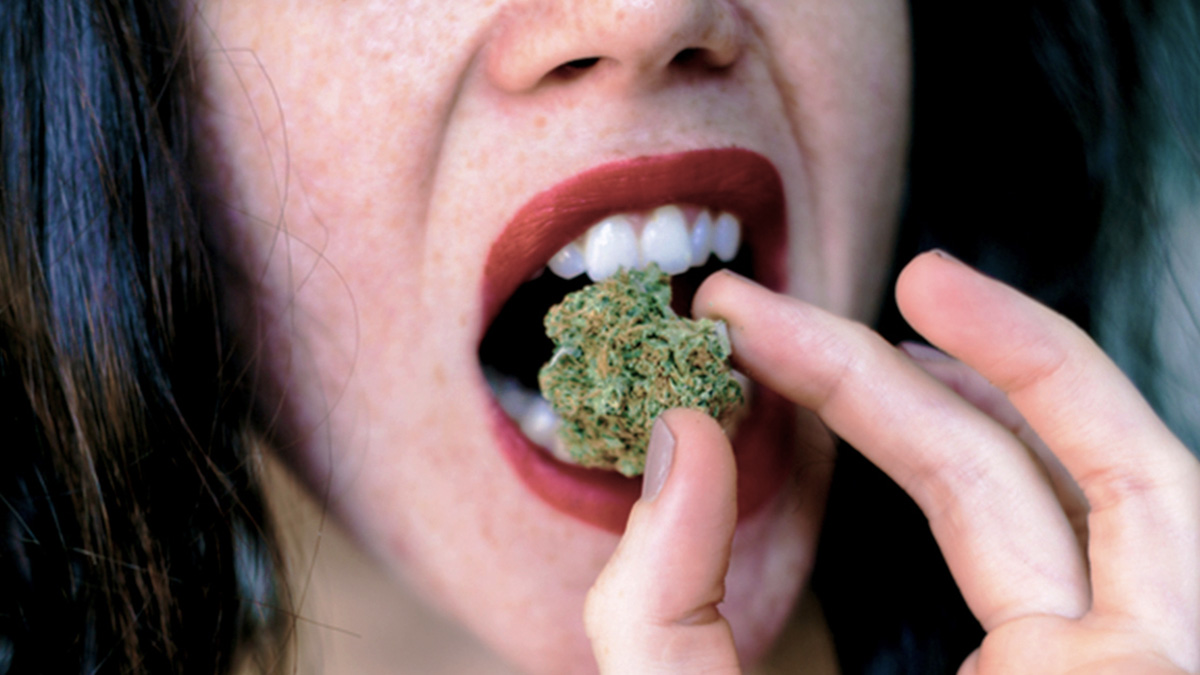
(622, 356)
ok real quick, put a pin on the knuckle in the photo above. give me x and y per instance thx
(1042, 358)
(1160, 490)
(854, 354)
(948, 490)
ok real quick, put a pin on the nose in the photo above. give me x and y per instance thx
(631, 41)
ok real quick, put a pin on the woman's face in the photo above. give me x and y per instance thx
(389, 174)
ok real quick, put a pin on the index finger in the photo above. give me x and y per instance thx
(976, 482)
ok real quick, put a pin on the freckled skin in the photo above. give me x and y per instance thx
(364, 155)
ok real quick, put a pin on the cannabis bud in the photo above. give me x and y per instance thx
(622, 357)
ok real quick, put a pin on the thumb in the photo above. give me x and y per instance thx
(654, 606)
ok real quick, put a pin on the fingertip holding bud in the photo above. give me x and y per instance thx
(739, 277)
(660, 454)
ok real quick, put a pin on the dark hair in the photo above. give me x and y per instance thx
(1148, 157)
(133, 535)
(1033, 133)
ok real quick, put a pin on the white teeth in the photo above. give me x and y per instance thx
(722, 330)
(731, 425)
(727, 236)
(701, 239)
(569, 262)
(611, 245)
(743, 382)
(530, 411)
(665, 241)
(513, 397)
(539, 423)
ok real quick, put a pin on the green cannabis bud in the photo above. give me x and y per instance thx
(622, 357)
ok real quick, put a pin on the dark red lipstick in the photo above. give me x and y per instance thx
(734, 180)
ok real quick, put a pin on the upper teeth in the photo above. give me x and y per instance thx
(665, 238)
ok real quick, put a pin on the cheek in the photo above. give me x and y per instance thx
(845, 71)
(333, 114)
(320, 188)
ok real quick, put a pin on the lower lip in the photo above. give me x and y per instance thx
(604, 498)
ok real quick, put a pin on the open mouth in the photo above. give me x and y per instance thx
(691, 213)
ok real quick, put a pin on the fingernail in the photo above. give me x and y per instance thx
(659, 456)
(920, 352)
(730, 273)
(944, 255)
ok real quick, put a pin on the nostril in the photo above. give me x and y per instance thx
(700, 60)
(582, 64)
(571, 69)
(686, 56)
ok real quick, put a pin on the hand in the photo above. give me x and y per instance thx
(1067, 512)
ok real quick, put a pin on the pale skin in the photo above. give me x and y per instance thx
(366, 154)
(1068, 513)
(364, 157)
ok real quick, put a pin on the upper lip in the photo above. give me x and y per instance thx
(740, 181)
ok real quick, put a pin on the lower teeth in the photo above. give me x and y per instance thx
(531, 412)
(539, 423)
(520, 323)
